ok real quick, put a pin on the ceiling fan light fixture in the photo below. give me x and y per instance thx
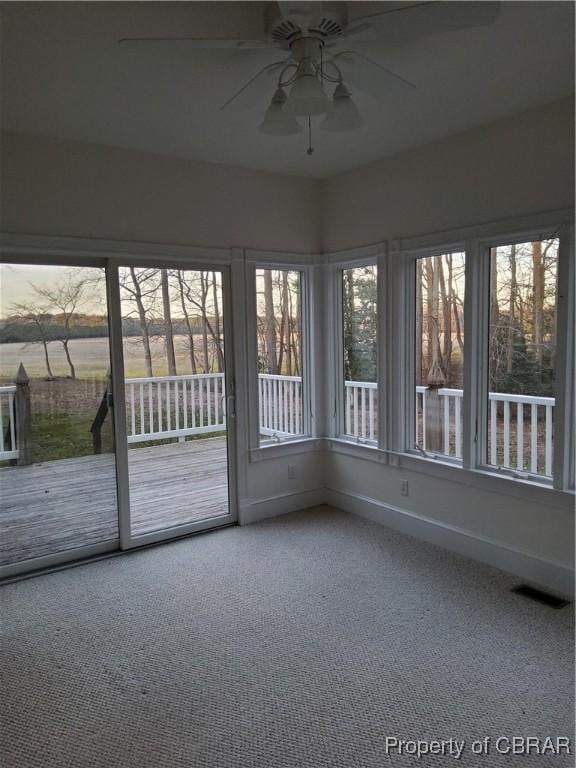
(343, 114)
(307, 96)
(277, 120)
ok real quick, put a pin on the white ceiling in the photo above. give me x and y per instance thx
(64, 75)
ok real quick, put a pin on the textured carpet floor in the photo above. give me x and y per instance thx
(300, 641)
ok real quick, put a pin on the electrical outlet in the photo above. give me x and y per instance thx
(404, 487)
(291, 472)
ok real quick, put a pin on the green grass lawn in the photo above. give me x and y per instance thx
(64, 436)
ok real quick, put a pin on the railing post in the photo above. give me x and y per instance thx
(23, 413)
(96, 428)
(433, 424)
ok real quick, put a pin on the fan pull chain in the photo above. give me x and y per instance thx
(310, 149)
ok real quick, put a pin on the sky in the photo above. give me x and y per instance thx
(16, 280)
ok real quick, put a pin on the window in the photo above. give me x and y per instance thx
(521, 356)
(279, 349)
(439, 354)
(359, 334)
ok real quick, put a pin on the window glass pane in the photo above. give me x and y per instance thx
(57, 460)
(279, 331)
(440, 283)
(359, 318)
(173, 340)
(522, 354)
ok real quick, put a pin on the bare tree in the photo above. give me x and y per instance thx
(511, 311)
(294, 327)
(187, 319)
(39, 320)
(419, 323)
(139, 287)
(445, 285)
(66, 297)
(435, 366)
(200, 297)
(494, 315)
(217, 334)
(538, 301)
(270, 320)
(168, 328)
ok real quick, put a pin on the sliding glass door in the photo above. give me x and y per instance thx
(57, 461)
(176, 400)
(116, 408)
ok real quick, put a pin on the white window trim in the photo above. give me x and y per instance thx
(565, 410)
(365, 257)
(401, 341)
(476, 245)
(305, 441)
(396, 257)
(482, 247)
(76, 250)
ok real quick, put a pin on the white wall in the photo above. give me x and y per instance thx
(517, 166)
(56, 187)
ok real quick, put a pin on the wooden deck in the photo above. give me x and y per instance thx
(61, 505)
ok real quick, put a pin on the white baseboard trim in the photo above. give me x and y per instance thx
(253, 510)
(553, 576)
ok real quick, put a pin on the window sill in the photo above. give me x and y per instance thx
(492, 482)
(366, 450)
(485, 480)
(285, 448)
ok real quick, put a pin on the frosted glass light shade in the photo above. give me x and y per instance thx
(343, 114)
(307, 97)
(277, 120)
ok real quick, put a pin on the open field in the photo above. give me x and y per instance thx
(91, 358)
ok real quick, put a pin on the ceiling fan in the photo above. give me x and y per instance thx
(316, 37)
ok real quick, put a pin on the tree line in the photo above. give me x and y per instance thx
(278, 322)
(523, 290)
(157, 304)
(152, 297)
(359, 315)
(522, 332)
(161, 304)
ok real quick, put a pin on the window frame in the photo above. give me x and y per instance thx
(408, 365)
(475, 243)
(564, 384)
(376, 257)
(295, 263)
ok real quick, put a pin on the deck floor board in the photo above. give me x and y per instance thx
(60, 505)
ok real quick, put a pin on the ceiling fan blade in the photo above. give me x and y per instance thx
(405, 24)
(370, 76)
(255, 89)
(199, 42)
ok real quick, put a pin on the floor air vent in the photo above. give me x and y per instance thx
(540, 596)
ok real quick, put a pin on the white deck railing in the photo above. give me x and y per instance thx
(160, 407)
(520, 427)
(8, 441)
(360, 409)
(280, 405)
